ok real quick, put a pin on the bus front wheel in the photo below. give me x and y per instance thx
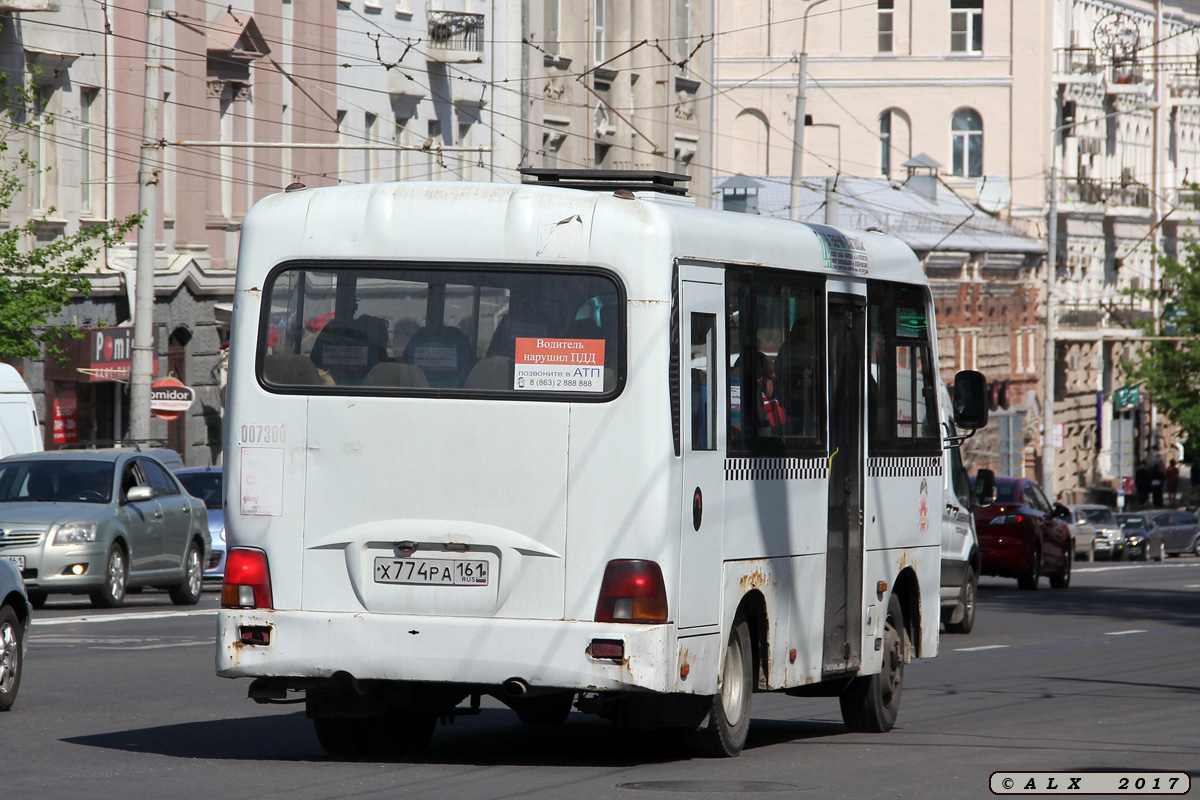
(724, 735)
(871, 703)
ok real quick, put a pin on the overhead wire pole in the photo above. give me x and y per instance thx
(798, 123)
(1051, 330)
(142, 364)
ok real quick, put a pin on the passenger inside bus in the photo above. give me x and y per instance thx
(773, 417)
(795, 369)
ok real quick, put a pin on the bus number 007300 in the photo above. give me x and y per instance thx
(262, 434)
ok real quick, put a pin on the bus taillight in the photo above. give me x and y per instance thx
(247, 580)
(632, 591)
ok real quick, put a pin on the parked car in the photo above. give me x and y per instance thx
(205, 483)
(1023, 536)
(1143, 539)
(101, 523)
(15, 614)
(1180, 531)
(1097, 532)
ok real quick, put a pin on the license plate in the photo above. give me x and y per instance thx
(18, 560)
(431, 571)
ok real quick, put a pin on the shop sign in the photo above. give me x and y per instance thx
(169, 398)
(101, 355)
(1125, 398)
(110, 354)
(66, 418)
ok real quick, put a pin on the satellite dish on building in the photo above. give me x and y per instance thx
(992, 193)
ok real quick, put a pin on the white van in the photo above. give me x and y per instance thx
(960, 545)
(592, 449)
(19, 429)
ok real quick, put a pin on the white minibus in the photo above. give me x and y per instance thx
(575, 443)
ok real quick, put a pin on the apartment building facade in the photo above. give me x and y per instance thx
(999, 95)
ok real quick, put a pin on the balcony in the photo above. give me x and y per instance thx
(1076, 61)
(454, 37)
(1183, 85)
(1110, 193)
(1125, 71)
(1184, 198)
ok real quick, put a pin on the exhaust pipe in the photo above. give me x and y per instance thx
(515, 687)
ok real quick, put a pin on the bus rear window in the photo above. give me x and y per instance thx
(411, 329)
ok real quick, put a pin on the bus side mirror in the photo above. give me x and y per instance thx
(970, 400)
(985, 488)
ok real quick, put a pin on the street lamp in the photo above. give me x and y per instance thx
(798, 122)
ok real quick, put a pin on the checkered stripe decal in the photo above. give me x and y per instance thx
(775, 469)
(904, 467)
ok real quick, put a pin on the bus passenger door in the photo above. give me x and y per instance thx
(702, 442)
(844, 547)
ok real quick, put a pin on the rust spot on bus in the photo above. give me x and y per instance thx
(753, 580)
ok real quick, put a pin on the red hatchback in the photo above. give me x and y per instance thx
(1021, 536)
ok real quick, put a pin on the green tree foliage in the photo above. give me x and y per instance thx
(1169, 368)
(40, 275)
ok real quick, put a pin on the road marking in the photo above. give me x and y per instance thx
(1124, 633)
(1192, 586)
(1144, 565)
(40, 621)
(982, 647)
(156, 646)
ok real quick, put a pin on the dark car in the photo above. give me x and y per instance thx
(1143, 539)
(205, 483)
(100, 523)
(1180, 531)
(1023, 536)
(15, 613)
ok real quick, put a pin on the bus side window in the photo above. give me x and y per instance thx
(702, 359)
(902, 385)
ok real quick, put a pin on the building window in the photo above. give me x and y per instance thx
(225, 127)
(683, 33)
(435, 163)
(967, 143)
(466, 159)
(40, 154)
(966, 26)
(400, 138)
(370, 129)
(341, 140)
(550, 22)
(885, 144)
(886, 20)
(553, 138)
(600, 30)
(87, 100)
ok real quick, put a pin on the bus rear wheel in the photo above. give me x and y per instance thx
(871, 703)
(724, 735)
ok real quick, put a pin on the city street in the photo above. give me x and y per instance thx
(1101, 676)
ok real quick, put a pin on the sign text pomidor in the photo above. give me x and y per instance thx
(169, 398)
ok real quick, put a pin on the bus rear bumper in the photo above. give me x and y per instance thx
(543, 653)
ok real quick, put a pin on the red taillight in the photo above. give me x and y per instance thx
(247, 580)
(632, 591)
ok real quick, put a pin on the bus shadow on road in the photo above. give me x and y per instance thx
(494, 738)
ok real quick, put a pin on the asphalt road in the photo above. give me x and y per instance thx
(1102, 676)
